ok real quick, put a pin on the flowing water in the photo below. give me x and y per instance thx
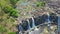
(21, 29)
(33, 23)
(58, 23)
(48, 18)
(28, 24)
(48, 25)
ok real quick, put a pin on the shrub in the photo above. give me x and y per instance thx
(13, 1)
(2, 29)
(11, 33)
(40, 4)
(10, 11)
(1, 19)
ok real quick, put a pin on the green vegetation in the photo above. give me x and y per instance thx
(7, 17)
(11, 33)
(10, 11)
(40, 4)
(13, 2)
(1, 19)
(2, 29)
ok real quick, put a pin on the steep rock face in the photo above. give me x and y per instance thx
(26, 11)
(39, 20)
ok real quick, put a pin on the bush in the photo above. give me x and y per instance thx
(1, 19)
(40, 4)
(10, 11)
(2, 29)
(11, 33)
(13, 2)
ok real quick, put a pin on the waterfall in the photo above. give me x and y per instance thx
(21, 29)
(48, 19)
(28, 24)
(48, 25)
(58, 23)
(33, 23)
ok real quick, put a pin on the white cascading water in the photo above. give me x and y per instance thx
(33, 23)
(48, 18)
(48, 25)
(28, 24)
(21, 29)
(58, 23)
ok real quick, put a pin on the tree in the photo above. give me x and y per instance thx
(10, 11)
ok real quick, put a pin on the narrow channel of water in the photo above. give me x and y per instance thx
(21, 29)
(33, 22)
(58, 23)
(48, 25)
(28, 24)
